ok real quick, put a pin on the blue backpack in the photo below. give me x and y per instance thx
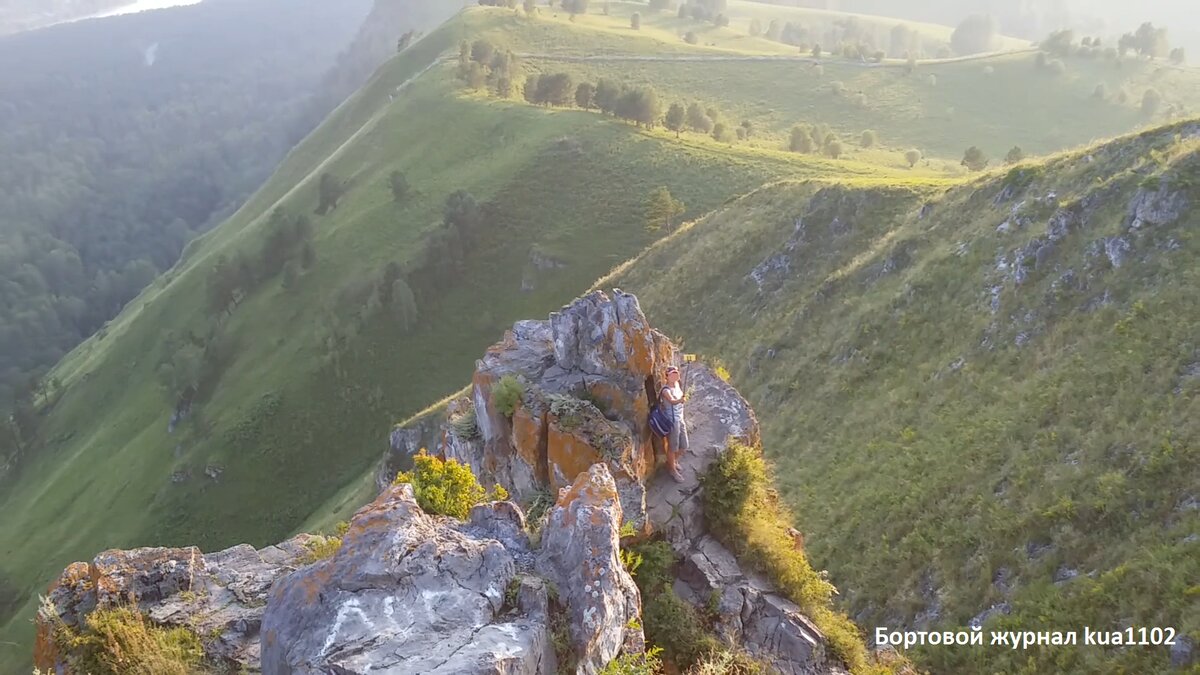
(661, 422)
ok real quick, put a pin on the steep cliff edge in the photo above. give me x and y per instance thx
(557, 411)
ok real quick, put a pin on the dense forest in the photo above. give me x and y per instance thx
(121, 139)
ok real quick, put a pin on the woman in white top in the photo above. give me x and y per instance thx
(671, 399)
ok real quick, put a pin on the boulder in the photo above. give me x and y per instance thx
(580, 555)
(408, 592)
(219, 596)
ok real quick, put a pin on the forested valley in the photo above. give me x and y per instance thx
(122, 139)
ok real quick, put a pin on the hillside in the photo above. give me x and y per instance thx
(249, 386)
(21, 15)
(122, 139)
(941, 108)
(291, 387)
(981, 402)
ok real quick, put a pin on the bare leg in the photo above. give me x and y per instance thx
(672, 461)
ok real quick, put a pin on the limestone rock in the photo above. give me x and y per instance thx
(404, 442)
(219, 596)
(409, 593)
(598, 348)
(749, 612)
(1159, 206)
(580, 554)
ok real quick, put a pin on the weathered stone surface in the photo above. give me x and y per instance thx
(598, 348)
(749, 612)
(404, 441)
(219, 596)
(1160, 206)
(409, 593)
(581, 556)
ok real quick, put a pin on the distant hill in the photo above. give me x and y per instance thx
(981, 402)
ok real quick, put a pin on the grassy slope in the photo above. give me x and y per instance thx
(667, 26)
(1016, 104)
(289, 430)
(932, 460)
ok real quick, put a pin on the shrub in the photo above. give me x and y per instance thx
(745, 514)
(635, 664)
(725, 662)
(912, 156)
(443, 487)
(974, 159)
(585, 95)
(1057, 67)
(668, 620)
(801, 140)
(507, 394)
(635, 21)
(120, 641)
(465, 424)
(1100, 92)
(325, 547)
(1014, 155)
(869, 139)
(698, 120)
(834, 148)
(398, 185)
(691, 38)
(837, 88)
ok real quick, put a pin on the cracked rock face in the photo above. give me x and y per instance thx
(581, 556)
(219, 596)
(601, 350)
(413, 593)
(749, 612)
(410, 593)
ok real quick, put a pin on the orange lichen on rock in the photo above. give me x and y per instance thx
(567, 455)
(76, 580)
(530, 430)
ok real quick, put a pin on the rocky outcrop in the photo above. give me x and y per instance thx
(411, 593)
(581, 555)
(749, 612)
(219, 596)
(408, 592)
(588, 374)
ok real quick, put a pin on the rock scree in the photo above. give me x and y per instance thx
(410, 592)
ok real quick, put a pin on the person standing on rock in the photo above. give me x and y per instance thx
(671, 398)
